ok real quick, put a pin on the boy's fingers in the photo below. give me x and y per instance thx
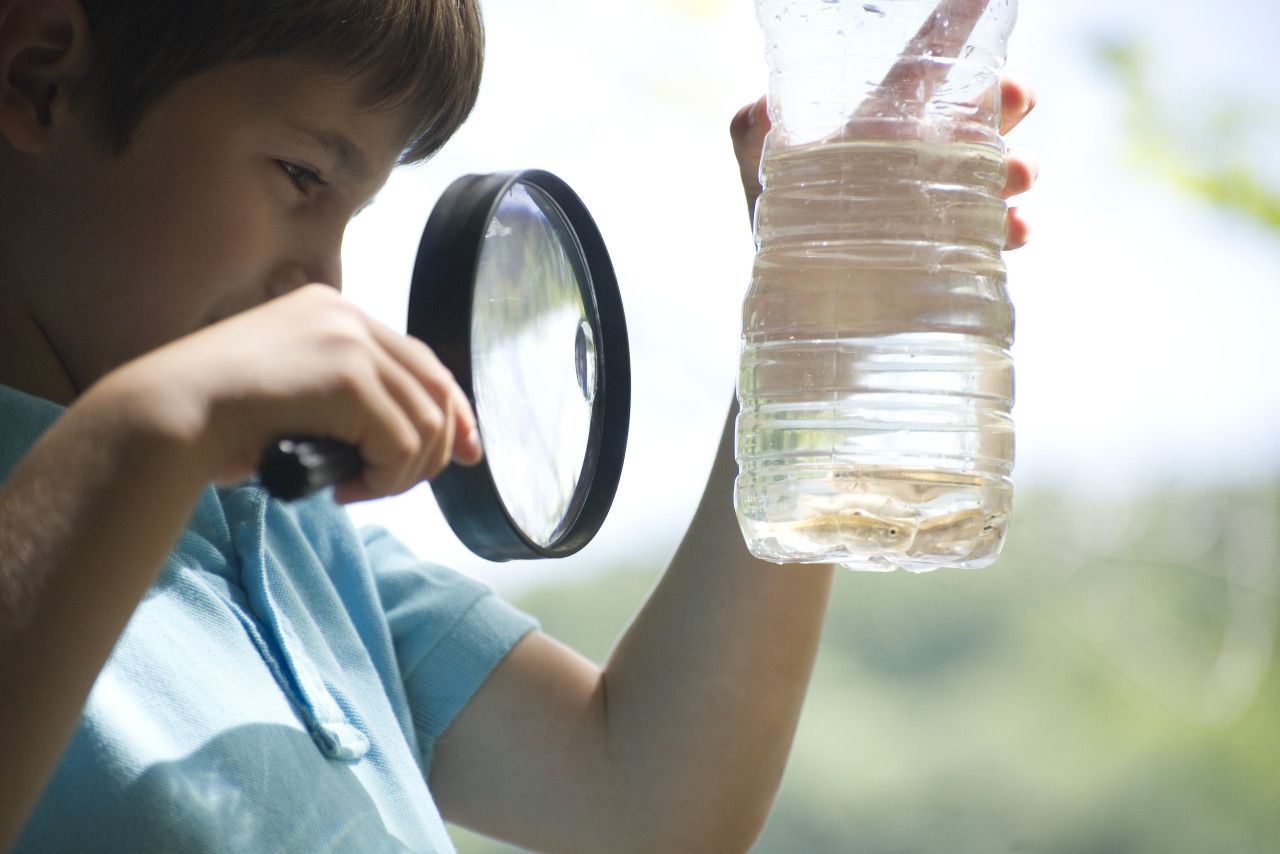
(1017, 99)
(430, 414)
(1021, 171)
(429, 388)
(943, 35)
(467, 447)
(388, 438)
(747, 131)
(1016, 230)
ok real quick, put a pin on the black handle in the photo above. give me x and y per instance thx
(295, 468)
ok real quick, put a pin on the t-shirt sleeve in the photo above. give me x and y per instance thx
(449, 631)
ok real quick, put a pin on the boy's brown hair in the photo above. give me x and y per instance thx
(421, 56)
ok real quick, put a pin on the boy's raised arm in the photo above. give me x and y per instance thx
(679, 744)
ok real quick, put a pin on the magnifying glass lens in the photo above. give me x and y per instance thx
(533, 368)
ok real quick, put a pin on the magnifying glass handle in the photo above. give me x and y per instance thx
(295, 468)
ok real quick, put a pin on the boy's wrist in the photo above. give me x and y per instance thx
(145, 419)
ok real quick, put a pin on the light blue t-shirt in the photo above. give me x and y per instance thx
(279, 689)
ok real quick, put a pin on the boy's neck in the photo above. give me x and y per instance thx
(28, 361)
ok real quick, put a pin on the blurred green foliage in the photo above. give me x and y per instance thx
(1217, 152)
(1108, 686)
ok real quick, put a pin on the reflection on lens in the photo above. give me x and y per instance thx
(534, 367)
(584, 360)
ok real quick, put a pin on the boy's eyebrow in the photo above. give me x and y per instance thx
(350, 158)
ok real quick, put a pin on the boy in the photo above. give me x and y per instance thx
(198, 668)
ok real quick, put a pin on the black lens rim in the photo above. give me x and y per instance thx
(443, 290)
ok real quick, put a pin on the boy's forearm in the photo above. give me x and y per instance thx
(705, 688)
(680, 742)
(86, 520)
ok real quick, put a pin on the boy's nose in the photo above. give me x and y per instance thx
(321, 268)
(324, 263)
(328, 271)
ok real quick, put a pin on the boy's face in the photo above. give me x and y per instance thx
(236, 187)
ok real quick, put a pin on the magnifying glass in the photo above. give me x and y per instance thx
(514, 291)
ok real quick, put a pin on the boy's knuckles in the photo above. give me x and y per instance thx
(342, 333)
(431, 421)
(434, 461)
(426, 365)
(435, 443)
(407, 448)
(392, 462)
(352, 382)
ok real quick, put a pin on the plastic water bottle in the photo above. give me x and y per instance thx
(876, 384)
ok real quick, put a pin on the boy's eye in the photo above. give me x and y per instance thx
(303, 178)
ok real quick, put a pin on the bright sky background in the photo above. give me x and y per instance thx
(1147, 344)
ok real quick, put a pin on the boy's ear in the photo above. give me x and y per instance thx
(44, 53)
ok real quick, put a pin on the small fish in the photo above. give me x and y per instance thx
(857, 531)
(913, 486)
(958, 534)
(869, 504)
(906, 475)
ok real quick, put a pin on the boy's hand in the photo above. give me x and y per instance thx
(308, 364)
(90, 513)
(1017, 99)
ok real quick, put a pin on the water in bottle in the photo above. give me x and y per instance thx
(876, 383)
